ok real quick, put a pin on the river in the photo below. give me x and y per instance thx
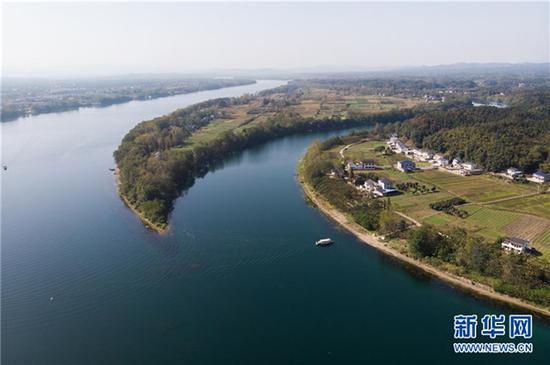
(236, 280)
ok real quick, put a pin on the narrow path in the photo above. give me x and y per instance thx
(509, 198)
(345, 148)
(416, 223)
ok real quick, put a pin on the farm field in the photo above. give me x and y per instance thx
(418, 206)
(542, 243)
(526, 216)
(538, 205)
(475, 189)
(314, 103)
(366, 151)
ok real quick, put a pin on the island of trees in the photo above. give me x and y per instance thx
(160, 158)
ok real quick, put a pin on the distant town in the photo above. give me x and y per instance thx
(25, 97)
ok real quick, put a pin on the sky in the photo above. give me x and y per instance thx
(56, 39)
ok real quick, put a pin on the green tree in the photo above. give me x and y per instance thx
(424, 241)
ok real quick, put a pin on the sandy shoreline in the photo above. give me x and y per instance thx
(454, 280)
(146, 222)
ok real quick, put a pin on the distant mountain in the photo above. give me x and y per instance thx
(470, 70)
(466, 70)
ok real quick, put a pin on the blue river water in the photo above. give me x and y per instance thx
(237, 280)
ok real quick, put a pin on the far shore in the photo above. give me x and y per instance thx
(454, 280)
(155, 227)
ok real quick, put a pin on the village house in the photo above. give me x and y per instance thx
(516, 245)
(405, 166)
(457, 162)
(426, 155)
(540, 177)
(369, 165)
(370, 185)
(386, 184)
(361, 165)
(354, 165)
(415, 152)
(470, 168)
(513, 173)
(400, 147)
(392, 141)
(337, 172)
(419, 154)
(397, 145)
(381, 188)
(440, 160)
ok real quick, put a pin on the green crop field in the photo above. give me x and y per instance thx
(538, 205)
(542, 243)
(365, 151)
(476, 189)
(417, 206)
(491, 223)
(490, 217)
(439, 219)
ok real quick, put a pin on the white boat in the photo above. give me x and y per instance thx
(324, 242)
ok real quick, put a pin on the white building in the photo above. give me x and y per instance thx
(393, 140)
(540, 177)
(381, 188)
(405, 165)
(370, 185)
(515, 244)
(513, 173)
(386, 184)
(469, 166)
(401, 147)
(426, 155)
(361, 165)
(440, 160)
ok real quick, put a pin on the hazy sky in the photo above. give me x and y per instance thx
(106, 38)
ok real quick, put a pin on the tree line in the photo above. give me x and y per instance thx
(493, 138)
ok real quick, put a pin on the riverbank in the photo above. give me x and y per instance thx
(107, 98)
(161, 229)
(374, 241)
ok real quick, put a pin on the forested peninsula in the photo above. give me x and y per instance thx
(160, 158)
